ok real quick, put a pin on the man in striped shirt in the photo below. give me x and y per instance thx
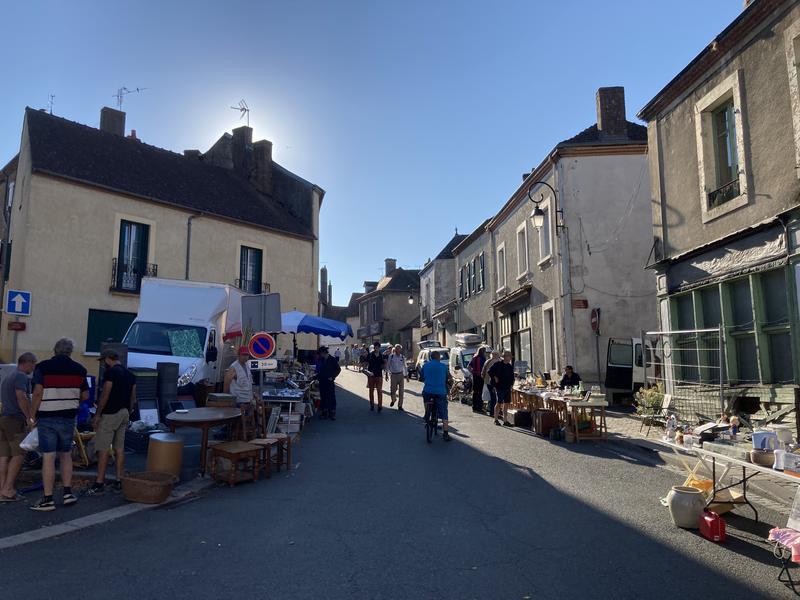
(59, 386)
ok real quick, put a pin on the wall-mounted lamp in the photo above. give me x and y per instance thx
(538, 215)
(410, 296)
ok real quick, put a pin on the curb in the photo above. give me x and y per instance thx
(655, 447)
(178, 494)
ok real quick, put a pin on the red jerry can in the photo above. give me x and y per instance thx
(712, 526)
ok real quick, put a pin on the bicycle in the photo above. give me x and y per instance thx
(431, 420)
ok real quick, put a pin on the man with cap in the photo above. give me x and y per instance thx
(116, 403)
(238, 379)
(328, 370)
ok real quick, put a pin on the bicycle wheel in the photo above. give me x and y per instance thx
(430, 422)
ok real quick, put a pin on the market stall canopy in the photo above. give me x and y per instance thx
(299, 322)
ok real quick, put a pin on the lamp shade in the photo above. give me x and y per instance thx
(537, 217)
(411, 299)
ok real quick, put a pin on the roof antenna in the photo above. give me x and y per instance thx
(123, 91)
(243, 110)
(51, 99)
(456, 230)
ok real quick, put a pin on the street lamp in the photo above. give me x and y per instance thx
(410, 296)
(537, 216)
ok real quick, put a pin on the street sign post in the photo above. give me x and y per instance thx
(18, 303)
(262, 345)
(595, 322)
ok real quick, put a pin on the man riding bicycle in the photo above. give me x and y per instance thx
(435, 374)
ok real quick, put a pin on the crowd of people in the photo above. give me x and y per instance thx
(46, 396)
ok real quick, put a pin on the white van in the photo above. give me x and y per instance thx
(185, 322)
(467, 346)
(625, 366)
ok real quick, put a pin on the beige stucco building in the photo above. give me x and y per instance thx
(93, 211)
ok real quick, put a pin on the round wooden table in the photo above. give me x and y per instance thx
(203, 418)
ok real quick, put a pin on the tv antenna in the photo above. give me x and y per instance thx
(243, 109)
(123, 91)
(51, 99)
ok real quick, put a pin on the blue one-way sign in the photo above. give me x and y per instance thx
(18, 303)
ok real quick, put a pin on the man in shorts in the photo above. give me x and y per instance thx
(15, 423)
(59, 386)
(435, 375)
(375, 364)
(502, 374)
(114, 409)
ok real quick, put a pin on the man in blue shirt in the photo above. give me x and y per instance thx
(435, 375)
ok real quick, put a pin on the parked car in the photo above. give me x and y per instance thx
(425, 353)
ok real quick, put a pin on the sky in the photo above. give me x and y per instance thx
(416, 117)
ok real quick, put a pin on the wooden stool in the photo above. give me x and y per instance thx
(284, 448)
(236, 452)
(266, 446)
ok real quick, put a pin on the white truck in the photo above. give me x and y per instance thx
(185, 322)
(626, 367)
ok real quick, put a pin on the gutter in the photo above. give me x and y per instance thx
(189, 240)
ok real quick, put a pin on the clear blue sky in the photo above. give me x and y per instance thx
(415, 116)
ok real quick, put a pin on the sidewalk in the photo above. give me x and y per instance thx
(624, 428)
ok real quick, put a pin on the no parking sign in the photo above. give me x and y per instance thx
(262, 345)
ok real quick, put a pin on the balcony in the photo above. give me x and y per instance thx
(720, 196)
(252, 286)
(126, 277)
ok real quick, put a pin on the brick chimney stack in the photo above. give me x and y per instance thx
(391, 265)
(112, 121)
(262, 167)
(242, 150)
(611, 120)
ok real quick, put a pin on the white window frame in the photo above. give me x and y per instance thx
(792, 44)
(728, 89)
(549, 307)
(548, 229)
(501, 269)
(523, 264)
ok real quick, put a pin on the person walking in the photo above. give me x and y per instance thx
(337, 354)
(347, 357)
(487, 381)
(435, 374)
(375, 365)
(329, 370)
(59, 386)
(502, 374)
(396, 372)
(16, 421)
(116, 403)
(476, 368)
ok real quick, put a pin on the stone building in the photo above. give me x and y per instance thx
(437, 284)
(531, 290)
(94, 211)
(724, 139)
(388, 305)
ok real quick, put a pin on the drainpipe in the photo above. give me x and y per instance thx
(189, 240)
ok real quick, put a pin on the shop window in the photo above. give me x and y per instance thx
(776, 304)
(106, 326)
(746, 360)
(712, 311)
(774, 324)
(685, 311)
(742, 304)
(250, 268)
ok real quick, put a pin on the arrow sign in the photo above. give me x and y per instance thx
(18, 302)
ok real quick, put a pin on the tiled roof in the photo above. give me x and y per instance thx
(400, 280)
(85, 154)
(591, 136)
(447, 251)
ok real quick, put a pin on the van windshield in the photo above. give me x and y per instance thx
(168, 339)
(466, 358)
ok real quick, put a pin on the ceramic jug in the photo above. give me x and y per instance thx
(685, 504)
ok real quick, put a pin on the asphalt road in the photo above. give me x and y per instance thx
(373, 511)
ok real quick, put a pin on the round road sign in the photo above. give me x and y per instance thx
(262, 345)
(595, 319)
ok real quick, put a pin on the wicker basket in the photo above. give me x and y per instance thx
(147, 487)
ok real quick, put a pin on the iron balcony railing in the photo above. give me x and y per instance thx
(126, 276)
(727, 192)
(252, 286)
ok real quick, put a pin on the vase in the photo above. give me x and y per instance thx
(685, 504)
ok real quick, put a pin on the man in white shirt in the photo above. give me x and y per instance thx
(396, 371)
(239, 380)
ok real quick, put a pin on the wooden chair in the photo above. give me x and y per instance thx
(238, 453)
(267, 443)
(657, 415)
(81, 439)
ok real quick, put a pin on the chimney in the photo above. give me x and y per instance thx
(391, 265)
(112, 121)
(323, 284)
(526, 175)
(611, 120)
(132, 136)
(242, 150)
(262, 166)
(193, 154)
(330, 293)
(370, 286)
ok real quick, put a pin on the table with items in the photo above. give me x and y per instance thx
(203, 418)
